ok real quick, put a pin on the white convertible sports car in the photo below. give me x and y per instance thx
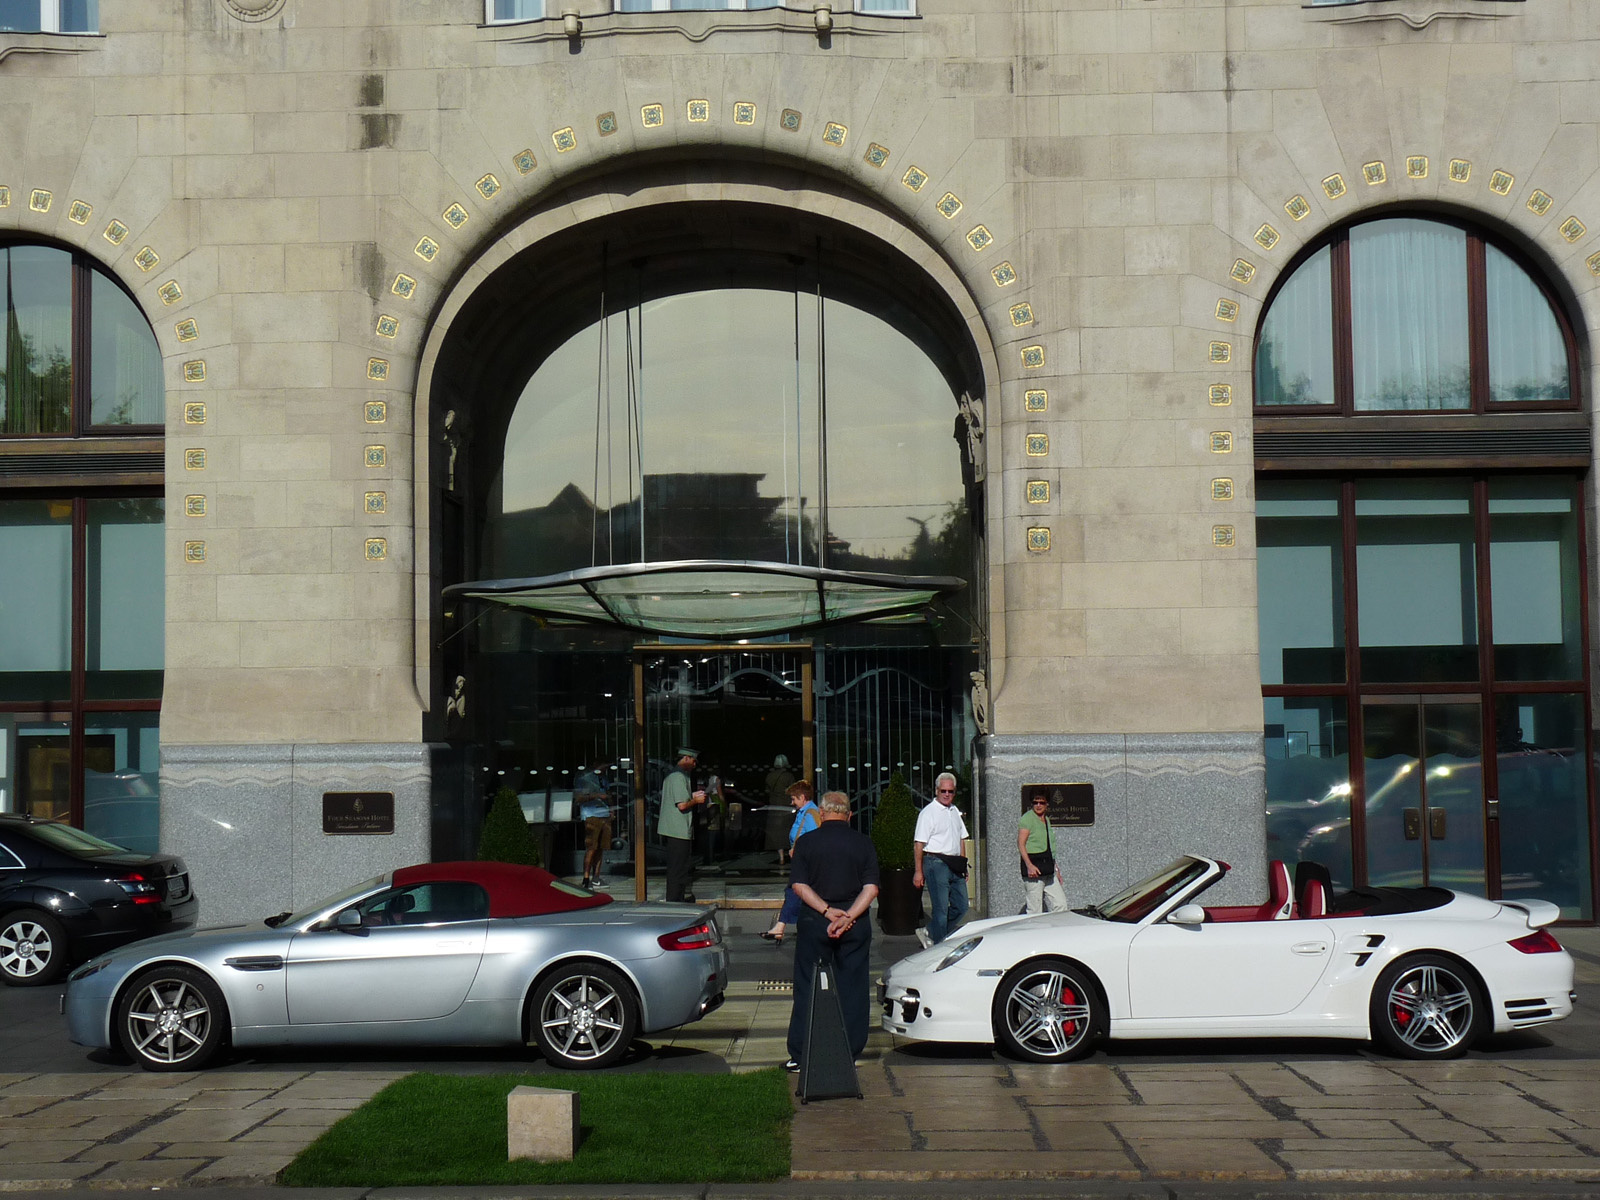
(1424, 972)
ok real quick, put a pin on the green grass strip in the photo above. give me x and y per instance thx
(441, 1130)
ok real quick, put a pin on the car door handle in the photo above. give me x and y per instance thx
(1309, 949)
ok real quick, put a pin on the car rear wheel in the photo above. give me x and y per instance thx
(584, 1016)
(33, 949)
(1427, 1006)
(1047, 1010)
(171, 1019)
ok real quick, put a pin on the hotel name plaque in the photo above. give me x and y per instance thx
(1070, 803)
(357, 812)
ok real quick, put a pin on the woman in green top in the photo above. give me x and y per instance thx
(1041, 877)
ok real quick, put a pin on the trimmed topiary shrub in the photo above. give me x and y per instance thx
(894, 824)
(506, 836)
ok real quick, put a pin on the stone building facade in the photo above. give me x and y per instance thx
(351, 226)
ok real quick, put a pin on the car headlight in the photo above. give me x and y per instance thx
(960, 952)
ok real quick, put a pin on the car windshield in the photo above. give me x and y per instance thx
(337, 901)
(1136, 902)
(75, 841)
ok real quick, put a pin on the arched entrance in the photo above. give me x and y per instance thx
(701, 380)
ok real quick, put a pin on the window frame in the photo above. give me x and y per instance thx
(550, 11)
(1337, 242)
(50, 22)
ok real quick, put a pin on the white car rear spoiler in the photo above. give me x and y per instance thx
(1540, 912)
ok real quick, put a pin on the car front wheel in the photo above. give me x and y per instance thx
(584, 1016)
(33, 949)
(1047, 1010)
(1427, 1006)
(171, 1019)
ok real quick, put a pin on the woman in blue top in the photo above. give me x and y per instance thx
(807, 816)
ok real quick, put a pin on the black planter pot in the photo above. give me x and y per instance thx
(899, 902)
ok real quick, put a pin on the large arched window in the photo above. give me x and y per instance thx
(82, 593)
(1421, 570)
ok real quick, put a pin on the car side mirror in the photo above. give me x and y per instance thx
(349, 921)
(1187, 914)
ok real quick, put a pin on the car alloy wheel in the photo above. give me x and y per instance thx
(1047, 1011)
(33, 949)
(584, 1017)
(1426, 1006)
(171, 1019)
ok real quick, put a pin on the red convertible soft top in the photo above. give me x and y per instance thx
(514, 891)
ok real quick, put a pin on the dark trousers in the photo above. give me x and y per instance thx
(850, 971)
(678, 866)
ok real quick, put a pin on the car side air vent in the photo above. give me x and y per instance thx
(1528, 1010)
(1374, 940)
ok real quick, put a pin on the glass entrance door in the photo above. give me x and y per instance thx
(1424, 804)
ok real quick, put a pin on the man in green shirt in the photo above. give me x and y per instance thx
(676, 823)
(1041, 877)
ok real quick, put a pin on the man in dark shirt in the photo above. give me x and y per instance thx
(835, 873)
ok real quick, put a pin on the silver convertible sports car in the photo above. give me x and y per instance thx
(463, 953)
(1424, 972)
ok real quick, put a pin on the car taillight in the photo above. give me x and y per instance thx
(139, 888)
(1540, 942)
(696, 937)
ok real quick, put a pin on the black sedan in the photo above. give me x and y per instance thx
(66, 896)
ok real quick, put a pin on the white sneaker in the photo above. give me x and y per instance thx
(922, 936)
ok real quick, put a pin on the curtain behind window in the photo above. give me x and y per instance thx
(1408, 301)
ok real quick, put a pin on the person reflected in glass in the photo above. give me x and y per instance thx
(940, 866)
(594, 809)
(807, 816)
(675, 823)
(1041, 874)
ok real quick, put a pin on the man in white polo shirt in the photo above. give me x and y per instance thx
(936, 846)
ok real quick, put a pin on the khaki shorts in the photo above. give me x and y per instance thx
(596, 834)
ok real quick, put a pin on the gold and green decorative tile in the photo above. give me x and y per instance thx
(1573, 229)
(789, 121)
(698, 111)
(1540, 203)
(1004, 275)
(1266, 237)
(1222, 489)
(1333, 186)
(1035, 400)
(653, 116)
(194, 506)
(1038, 491)
(1593, 263)
(876, 155)
(1032, 357)
(1417, 166)
(834, 134)
(404, 286)
(116, 233)
(564, 139)
(376, 411)
(1374, 173)
(744, 112)
(1222, 536)
(456, 215)
(524, 161)
(1220, 352)
(39, 200)
(194, 460)
(1036, 445)
(606, 124)
(376, 503)
(170, 292)
(427, 249)
(1220, 395)
(948, 205)
(377, 457)
(187, 329)
(1298, 208)
(194, 371)
(147, 259)
(1243, 270)
(378, 368)
(194, 552)
(1222, 442)
(915, 178)
(194, 413)
(979, 237)
(1460, 170)
(79, 211)
(488, 186)
(1038, 538)
(1501, 182)
(1227, 310)
(5, 196)
(387, 326)
(377, 549)
(1022, 314)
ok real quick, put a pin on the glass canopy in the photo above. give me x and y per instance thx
(710, 598)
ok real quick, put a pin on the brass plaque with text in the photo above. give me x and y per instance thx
(358, 812)
(1069, 803)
